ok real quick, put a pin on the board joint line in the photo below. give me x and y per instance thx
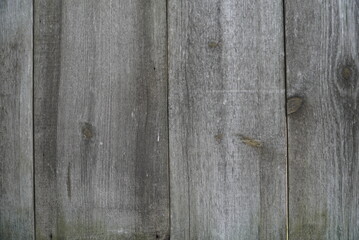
(286, 116)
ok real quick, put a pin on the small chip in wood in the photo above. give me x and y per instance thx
(293, 104)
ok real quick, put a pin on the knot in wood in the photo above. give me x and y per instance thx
(293, 104)
(87, 131)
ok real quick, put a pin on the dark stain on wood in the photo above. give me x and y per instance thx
(47, 75)
(294, 104)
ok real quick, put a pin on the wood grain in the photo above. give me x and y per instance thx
(16, 151)
(227, 119)
(323, 60)
(101, 137)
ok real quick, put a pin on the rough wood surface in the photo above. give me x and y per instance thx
(323, 62)
(101, 135)
(16, 153)
(227, 119)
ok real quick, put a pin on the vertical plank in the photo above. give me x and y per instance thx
(322, 60)
(227, 119)
(16, 151)
(101, 119)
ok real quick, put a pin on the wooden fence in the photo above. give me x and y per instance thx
(181, 119)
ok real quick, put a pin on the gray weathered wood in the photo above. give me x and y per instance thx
(16, 151)
(101, 135)
(323, 62)
(227, 119)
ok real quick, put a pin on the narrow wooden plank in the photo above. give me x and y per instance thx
(16, 151)
(227, 119)
(101, 133)
(323, 61)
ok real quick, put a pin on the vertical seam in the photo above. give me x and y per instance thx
(33, 119)
(168, 122)
(286, 117)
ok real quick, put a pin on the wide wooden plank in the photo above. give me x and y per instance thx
(16, 151)
(323, 62)
(227, 119)
(101, 138)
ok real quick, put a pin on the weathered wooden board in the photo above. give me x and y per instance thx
(323, 62)
(227, 119)
(16, 151)
(101, 138)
